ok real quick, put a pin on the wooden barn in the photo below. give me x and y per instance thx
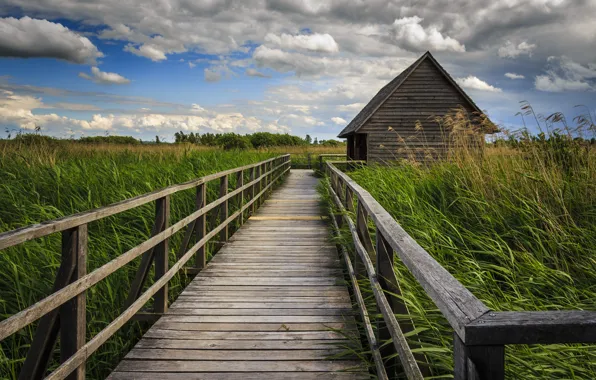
(399, 121)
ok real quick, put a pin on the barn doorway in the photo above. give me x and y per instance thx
(360, 147)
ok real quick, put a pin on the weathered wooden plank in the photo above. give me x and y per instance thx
(239, 376)
(291, 344)
(155, 333)
(532, 327)
(236, 355)
(165, 325)
(259, 319)
(239, 366)
(345, 311)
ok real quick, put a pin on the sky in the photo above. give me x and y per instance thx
(152, 68)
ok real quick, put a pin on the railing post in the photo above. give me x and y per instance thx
(223, 209)
(477, 362)
(362, 229)
(73, 313)
(256, 189)
(253, 172)
(320, 162)
(201, 226)
(349, 199)
(162, 250)
(309, 161)
(240, 196)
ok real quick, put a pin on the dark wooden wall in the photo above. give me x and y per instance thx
(426, 93)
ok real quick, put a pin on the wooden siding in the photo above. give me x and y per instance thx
(424, 95)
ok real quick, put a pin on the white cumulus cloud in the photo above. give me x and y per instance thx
(102, 77)
(28, 38)
(413, 36)
(511, 50)
(256, 73)
(563, 74)
(514, 76)
(313, 42)
(473, 83)
(148, 51)
(338, 120)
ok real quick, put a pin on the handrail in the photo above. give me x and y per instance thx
(479, 333)
(329, 155)
(71, 288)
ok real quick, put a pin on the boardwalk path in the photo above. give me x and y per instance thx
(264, 308)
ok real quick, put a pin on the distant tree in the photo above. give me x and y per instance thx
(157, 140)
(308, 139)
(316, 142)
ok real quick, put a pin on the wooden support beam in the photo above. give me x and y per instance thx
(240, 196)
(136, 288)
(223, 208)
(160, 300)
(477, 362)
(201, 226)
(73, 314)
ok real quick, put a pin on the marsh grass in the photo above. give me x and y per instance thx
(516, 225)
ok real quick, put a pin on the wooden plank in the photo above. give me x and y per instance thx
(532, 327)
(345, 311)
(230, 344)
(165, 325)
(154, 333)
(239, 376)
(238, 366)
(236, 355)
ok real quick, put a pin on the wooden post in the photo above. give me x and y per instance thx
(256, 188)
(223, 208)
(309, 161)
(349, 199)
(320, 162)
(201, 226)
(240, 196)
(162, 250)
(477, 362)
(362, 229)
(251, 190)
(73, 313)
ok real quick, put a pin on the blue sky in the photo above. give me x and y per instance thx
(302, 67)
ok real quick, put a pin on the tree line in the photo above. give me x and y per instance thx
(255, 140)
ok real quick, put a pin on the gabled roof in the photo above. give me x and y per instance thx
(380, 98)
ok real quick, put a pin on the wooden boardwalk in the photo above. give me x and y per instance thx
(271, 304)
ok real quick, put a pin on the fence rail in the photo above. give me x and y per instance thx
(64, 311)
(480, 334)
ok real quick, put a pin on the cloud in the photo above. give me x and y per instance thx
(511, 50)
(212, 75)
(352, 107)
(339, 121)
(514, 76)
(256, 73)
(313, 42)
(412, 36)
(563, 74)
(147, 51)
(34, 38)
(191, 65)
(16, 110)
(473, 83)
(102, 77)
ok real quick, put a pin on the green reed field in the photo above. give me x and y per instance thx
(42, 181)
(517, 227)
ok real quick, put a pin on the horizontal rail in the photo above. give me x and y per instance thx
(90, 347)
(20, 235)
(454, 300)
(532, 327)
(16, 322)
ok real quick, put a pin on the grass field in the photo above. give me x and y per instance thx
(42, 181)
(516, 227)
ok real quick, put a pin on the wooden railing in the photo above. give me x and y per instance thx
(329, 155)
(64, 311)
(480, 334)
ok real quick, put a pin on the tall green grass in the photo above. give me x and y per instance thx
(517, 227)
(46, 181)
